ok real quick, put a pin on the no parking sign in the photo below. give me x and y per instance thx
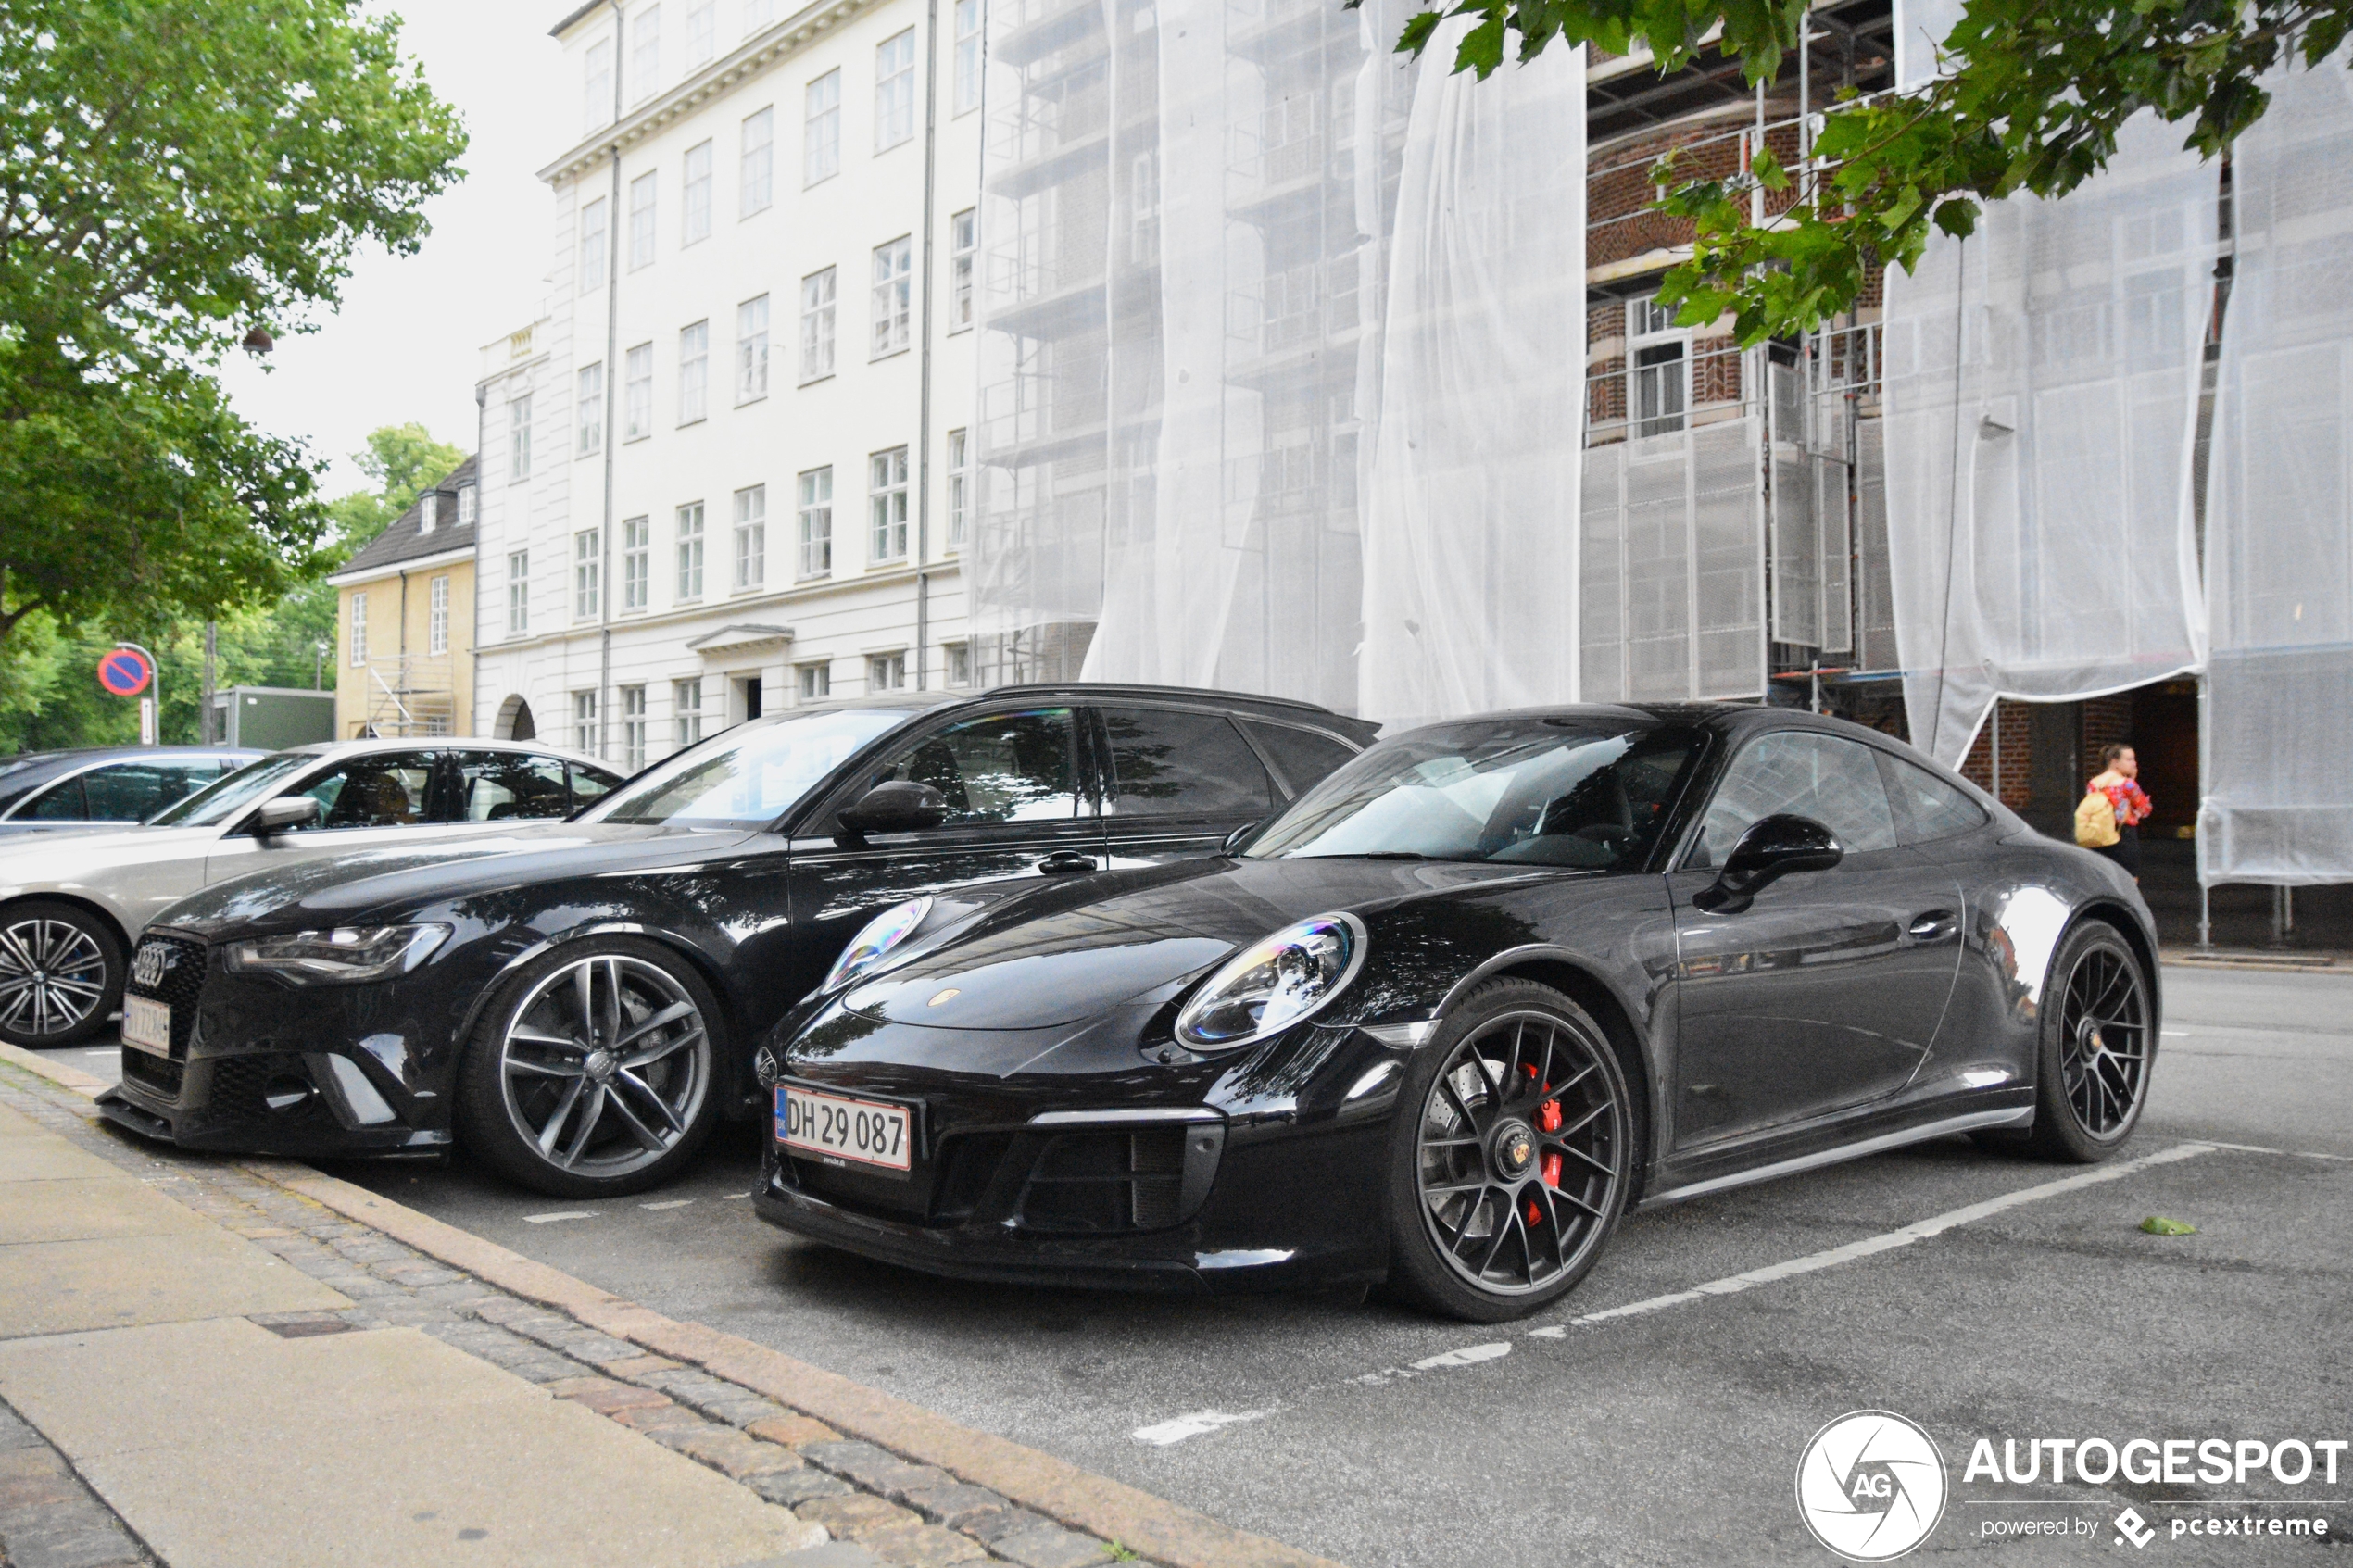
(125, 671)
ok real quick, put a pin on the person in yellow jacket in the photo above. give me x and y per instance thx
(2109, 818)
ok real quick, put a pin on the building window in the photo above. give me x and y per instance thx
(685, 705)
(817, 681)
(593, 244)
(758, 167)
(894, 294)
(702, 31)
(759, 14)
(751, 537)
(633, 728)
(591, 404)
(638, 393)
(1143, 197)
(641, 221)
(468, 505)
(596, 86)
(886, 673)
(588, 573)
(895, 90)
(437, 616)
(752, 349)
(694, 371)
(518, 592)
(816, 522)
(636, 562)
(519, 438)
(967, 56)
(690, 551)
(1659, 366)
(821, 130)
(694, 195)
(428, 511)
(645, 54)
(965, 245)
(584, 723)
(886, 486)
(817, 325)
(959, 486)
(359, 628)
(958, 659)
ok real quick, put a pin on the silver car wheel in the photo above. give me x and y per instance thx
(53, 976)
(604, 1065)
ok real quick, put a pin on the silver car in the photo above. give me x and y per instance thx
(71, 902)
(106, 787)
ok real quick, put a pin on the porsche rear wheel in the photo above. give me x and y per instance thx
(1511, 1164)
(2098, 1043)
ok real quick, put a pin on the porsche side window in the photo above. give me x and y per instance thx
(1795, 772)
(1168, 762)
(387, 790)
(998, 768)
(1302, 757)
(1935, 808)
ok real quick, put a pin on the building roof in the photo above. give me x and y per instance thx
(408, 538)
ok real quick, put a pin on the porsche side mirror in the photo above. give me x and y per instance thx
(1240, 837)
(896, 806)
(277, 816)
(1769, 851)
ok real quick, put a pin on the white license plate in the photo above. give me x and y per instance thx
(146, 1025)
(832, 1127)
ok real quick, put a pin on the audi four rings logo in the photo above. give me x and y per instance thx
(152, 959)
(1871, 1486)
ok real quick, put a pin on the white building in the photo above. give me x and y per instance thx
(727, 471)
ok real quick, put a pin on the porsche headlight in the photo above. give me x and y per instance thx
(348, 955)
(874, 941)
(1274, 983)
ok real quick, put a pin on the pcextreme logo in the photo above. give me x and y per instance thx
(1871, 1486)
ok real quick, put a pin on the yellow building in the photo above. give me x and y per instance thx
(405, 622)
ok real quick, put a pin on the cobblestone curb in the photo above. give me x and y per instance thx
(863, 1505)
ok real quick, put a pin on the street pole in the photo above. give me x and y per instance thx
(211, 677)
(151, 705)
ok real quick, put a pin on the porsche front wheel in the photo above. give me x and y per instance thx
(1511, 1166)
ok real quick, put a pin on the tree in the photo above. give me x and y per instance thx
(2031, 99)
(404, 461)
(181, 177)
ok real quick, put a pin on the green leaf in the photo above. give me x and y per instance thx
(2157, 1225)
(1768, 169)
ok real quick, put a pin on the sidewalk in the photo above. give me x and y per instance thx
(204, 1363)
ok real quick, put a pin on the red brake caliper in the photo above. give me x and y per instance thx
(1548, 1120)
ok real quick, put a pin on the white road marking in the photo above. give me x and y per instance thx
(559, 1214)
(2175, 1033)
(1193, 1426)
(1470, 1355)
(2284, 1153)
(669, 1203)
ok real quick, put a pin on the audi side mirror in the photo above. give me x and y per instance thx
(277, 816)
(1769, 851)
(1240, 837)
(895, 806)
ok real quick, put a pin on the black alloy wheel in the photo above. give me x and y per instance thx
(594, 1071)
(1513, 1157)
(2098, 1043)
(62, 972)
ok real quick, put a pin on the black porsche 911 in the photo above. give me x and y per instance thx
(578, 1003)
(1447, 1018)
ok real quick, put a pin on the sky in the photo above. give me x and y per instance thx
(405, 343)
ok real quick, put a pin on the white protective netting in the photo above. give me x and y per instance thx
(2042, 400)
(1470, 527)
(1921, 27)
(1189, 224)
(2278, 773)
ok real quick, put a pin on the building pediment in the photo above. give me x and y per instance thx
(742, 638)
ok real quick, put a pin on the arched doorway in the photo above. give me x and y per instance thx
(514, 720)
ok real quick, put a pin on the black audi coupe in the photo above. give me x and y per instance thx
(579, 1003)
(1460, 1007)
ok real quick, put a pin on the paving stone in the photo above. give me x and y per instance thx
(956, 1506)
(604, 1396)
(921, 1546)
(730, 1452)
(793, 1487)
(793, 1430)
(832, 1554)
(994, 1528)
(14, 1432)
(1052, 1547)
(639, 1368)
(850, 1516)
(666, 1417)
(744, 1410)
(92, 1542)
(876, 1469)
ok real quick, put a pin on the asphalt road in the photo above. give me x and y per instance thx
(1671, 1434)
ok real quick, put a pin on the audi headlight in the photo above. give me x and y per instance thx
(1274, 983)
(347, 954)
(874, 941)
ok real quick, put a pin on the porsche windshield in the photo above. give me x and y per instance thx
(751, 775)
(1568, 793)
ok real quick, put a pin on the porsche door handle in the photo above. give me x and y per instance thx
(1066, 862)
(1930, 926)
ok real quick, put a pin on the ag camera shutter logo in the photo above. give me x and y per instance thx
(1871, 1486)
